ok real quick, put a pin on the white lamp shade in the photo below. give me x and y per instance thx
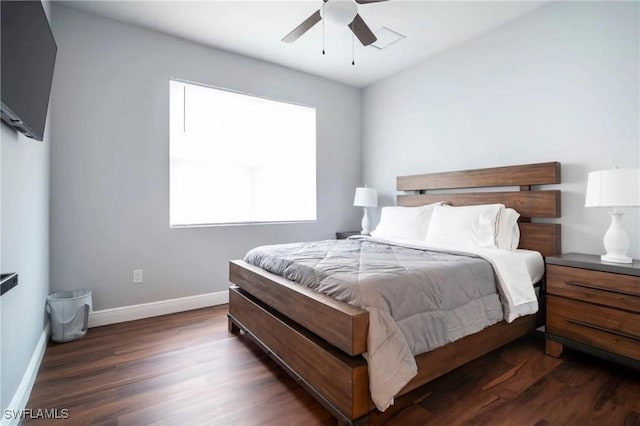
(366, 197)
(613, 188)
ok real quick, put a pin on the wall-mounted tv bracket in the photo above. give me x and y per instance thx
(7, 282)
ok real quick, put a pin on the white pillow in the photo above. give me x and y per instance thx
(464, 227)
(404, 223)
(508, 231)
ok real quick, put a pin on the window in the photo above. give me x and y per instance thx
(236, 158)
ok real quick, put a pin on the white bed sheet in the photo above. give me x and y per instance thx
(534, 263)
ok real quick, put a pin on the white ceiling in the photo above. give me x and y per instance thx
(255, 28)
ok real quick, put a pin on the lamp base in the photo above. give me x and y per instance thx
(617, 259)
(366, 223)
(616, 241)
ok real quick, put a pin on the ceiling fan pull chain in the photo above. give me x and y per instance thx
(353, 47)
(323, 33)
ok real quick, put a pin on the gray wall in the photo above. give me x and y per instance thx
(110, 161)
(560, 84)
(24, 248)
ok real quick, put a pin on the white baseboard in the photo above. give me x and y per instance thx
(154, 309)
(21, 397)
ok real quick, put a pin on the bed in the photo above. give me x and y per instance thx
(320, 341)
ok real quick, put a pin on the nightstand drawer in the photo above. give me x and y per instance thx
(598, 326)
(604, 288)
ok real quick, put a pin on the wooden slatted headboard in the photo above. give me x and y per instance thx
(541, 237)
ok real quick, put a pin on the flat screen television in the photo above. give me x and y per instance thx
(28, 57)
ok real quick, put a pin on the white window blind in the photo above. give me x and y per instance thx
(236, 158)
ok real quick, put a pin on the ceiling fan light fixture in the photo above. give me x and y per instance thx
(339, 12)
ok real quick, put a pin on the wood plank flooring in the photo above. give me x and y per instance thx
(187, 369)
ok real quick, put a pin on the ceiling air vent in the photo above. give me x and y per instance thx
(386, 38)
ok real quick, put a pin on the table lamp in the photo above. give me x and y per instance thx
(614, 188)
(365, 197)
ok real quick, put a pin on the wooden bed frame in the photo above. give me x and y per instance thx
(319, 340)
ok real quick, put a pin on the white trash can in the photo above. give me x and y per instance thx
(69, 311)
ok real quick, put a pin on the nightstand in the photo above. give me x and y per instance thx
(593, 306)
(346, 234)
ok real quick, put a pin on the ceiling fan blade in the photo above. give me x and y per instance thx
(362, 31)
(303, 28)
(369, 1)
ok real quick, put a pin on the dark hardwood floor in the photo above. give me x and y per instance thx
(186, 368)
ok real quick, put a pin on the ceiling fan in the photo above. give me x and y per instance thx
(338, 12)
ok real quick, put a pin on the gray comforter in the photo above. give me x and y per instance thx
(417, 299)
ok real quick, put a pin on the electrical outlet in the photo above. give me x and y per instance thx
(137, 276)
